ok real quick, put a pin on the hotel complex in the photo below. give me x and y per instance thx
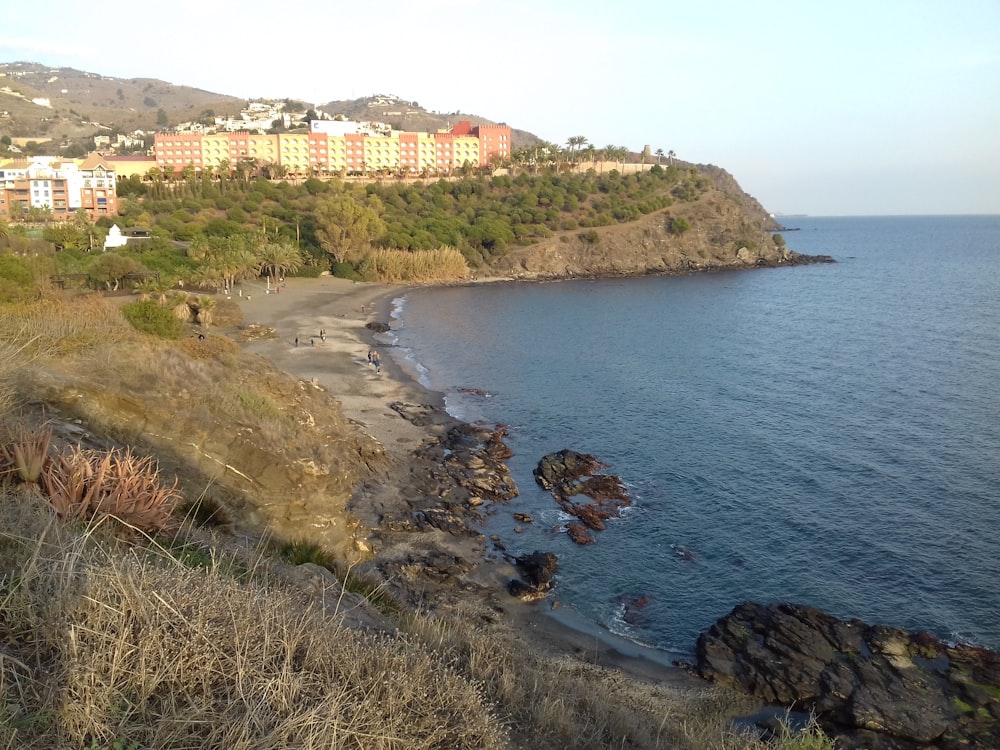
(338, 147)
(57, 185)
(331, 147)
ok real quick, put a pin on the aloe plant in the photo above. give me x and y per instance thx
(26, 455)
(82, 484)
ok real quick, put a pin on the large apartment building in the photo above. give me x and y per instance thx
(61, 186)
(338, 147)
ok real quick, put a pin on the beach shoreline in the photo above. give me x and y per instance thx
(328, 317)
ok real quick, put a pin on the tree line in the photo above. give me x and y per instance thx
(215, 232)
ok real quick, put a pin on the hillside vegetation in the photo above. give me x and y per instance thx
(212, 233)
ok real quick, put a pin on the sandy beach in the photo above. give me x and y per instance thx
(328, 316)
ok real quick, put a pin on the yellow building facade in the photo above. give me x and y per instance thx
(348, 153)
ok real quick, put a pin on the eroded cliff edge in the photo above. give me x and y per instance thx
(720, 227)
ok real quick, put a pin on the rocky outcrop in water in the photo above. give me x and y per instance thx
(874, 686)
(576, 484)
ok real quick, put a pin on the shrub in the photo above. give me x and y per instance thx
(590, 236)
(26, 454)
(303, 551)
(14, 269)
(309, 272)
(344, 270)
(149, 317)
(678, 225)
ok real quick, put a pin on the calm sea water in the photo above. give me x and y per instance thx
(828, 434)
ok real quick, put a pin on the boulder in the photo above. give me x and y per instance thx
(875, 685)
(537, 572)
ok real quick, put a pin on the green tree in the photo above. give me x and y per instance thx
(66, 237)
(161, 117)
(346, 227)
(74, 150)
(110, 269)
(279, 258)
(678, 225)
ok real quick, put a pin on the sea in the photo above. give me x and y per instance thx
(825, 434)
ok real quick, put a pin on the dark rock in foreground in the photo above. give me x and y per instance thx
(537, 572)
(876, 686)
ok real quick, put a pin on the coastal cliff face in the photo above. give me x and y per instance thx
(722, 228)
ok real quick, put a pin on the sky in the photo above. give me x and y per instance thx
(869, 107)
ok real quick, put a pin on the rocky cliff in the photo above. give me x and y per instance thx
(722, 228)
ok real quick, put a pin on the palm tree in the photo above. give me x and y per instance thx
(279, 258)
(180, 306)
(621, 152)
(240, 264)
(659, 156)
(157, 287)
(670, 157)
(575, 143)
(208, 277)
(203, 311)
(610, 153)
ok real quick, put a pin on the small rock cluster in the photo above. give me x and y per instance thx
(581, 491)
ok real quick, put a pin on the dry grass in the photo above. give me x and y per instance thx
(10, 364)
(58, 327)
(100, 643)
(395, 266)
(562, 702)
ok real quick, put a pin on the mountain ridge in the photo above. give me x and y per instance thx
(82, 104)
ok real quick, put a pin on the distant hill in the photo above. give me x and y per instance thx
(410, 116)
(80, 105)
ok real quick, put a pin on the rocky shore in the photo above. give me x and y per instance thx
(420, 513)
(420, 509)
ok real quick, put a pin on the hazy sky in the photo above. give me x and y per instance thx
(873, 107)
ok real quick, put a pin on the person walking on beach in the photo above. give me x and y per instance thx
(370, 357)
(377, 362)
(296, 341)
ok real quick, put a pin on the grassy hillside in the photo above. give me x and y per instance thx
(87, 104)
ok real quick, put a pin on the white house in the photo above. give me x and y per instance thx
(114, 238)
